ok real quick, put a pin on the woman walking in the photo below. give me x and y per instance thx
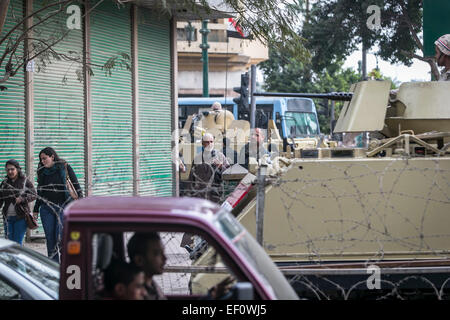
(16, 192)
(53, 196)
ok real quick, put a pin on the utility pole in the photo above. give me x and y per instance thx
(205, 46)
(252, 97)
(260, 202)
(332, 117)
(364, 61)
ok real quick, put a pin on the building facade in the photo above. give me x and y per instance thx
(103, 97)
(228, 59)
(113, 126)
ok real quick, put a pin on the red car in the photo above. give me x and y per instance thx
(98, 228)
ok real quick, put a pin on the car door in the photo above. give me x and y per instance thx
(186, 275)
(15, 287)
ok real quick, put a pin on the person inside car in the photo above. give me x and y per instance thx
(146, 251)
(124, 281)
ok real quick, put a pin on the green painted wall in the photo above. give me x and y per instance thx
(12, 100)
(154, 105)
(59, 95)
(111, 102)
(12, 104)
(436, 22)
(59, 99)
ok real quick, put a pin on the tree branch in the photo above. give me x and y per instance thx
(410, 26)
(34, 13)
(24, 33)
(9, 73)
(63, 55)
(430, 61)
(6, 76)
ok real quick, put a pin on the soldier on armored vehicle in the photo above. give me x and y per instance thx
(443, 56)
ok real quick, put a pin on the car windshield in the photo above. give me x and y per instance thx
(255, 255)
(301, 124)
(43, 272)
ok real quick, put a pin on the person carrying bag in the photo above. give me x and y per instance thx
(21, 210)
(56, 184)
(16, 192)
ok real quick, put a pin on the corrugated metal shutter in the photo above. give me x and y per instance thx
(12, 104)
(154, 104)
(59, 98)
(111, 102)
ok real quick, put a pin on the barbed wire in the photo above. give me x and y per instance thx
(377, 201)
(303, 195)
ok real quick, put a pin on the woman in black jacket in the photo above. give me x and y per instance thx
(53, 196)
(15, 191)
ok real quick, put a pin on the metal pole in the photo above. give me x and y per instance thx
(88, 176)
(260, 200)
(135, 97)
(29, 97)
(29, 103)
(174, 96)
(332, 116)
(364, 62)
(3, 10)
(205, 46)
(252, 97)
(326, 105)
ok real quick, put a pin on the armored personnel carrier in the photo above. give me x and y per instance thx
(380, 198)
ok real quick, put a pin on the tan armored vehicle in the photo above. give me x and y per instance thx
(381, 196)
(389, 199)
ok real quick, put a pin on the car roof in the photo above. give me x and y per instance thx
(116, 206)
(5, 243)
(206, 100)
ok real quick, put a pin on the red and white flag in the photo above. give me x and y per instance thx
(235, 31)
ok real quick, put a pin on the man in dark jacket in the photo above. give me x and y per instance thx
(254, 148)
(205, 177)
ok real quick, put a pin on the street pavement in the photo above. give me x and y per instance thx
(37, 245)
